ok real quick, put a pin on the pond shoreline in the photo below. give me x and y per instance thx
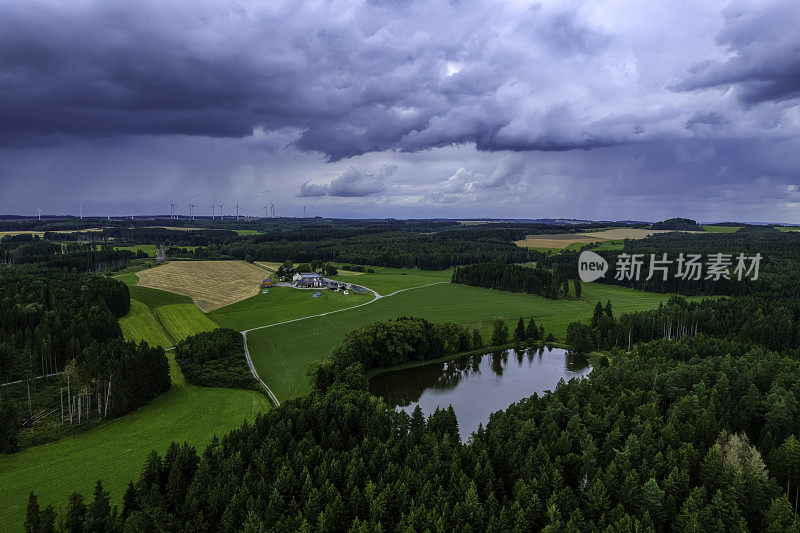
(592, 356)
(477, 383)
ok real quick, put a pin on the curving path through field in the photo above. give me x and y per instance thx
(377, 297)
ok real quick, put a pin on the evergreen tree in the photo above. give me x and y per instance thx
(99, 511)
(519, 332)
(129, 503)
(577, 283)
(780, 517)
(653, 499)
(597, 315)
(32, 518)
(531, 332)
(76, 514)
(477, 340)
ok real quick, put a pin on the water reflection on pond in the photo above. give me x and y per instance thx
(478, 385)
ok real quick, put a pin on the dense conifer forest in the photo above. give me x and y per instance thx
(696, 434)
(62, 355)
(514, 278)
(215, 359)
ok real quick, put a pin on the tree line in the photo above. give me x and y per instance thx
(77, 257)
(514, 278)
(408, 339)
(773, 324)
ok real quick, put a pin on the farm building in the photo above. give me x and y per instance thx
(308, 279)
(269, 282)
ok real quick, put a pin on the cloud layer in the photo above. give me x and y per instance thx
(364, 103)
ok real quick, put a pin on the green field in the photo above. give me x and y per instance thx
(115, 452)
(149, 249)
(246, 231)
(182, 320)
(141, 323)
(283, 303)
(281, 353)
(386, 280)
(161, 318)
(720, 229)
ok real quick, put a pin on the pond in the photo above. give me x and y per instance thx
(478, 385)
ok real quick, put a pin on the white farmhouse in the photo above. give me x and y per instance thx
(307, 279)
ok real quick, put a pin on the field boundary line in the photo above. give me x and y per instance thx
(375, 299)
(272, 397)
(153, 312)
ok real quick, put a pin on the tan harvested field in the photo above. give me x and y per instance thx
(556, 240)
(4, 233)
(210, 284)
(41, 233)
(77, 230)
(348, 273)
(629, 233)
(562, 240)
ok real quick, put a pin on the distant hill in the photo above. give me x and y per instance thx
(678, 224)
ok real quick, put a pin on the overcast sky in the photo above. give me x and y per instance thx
(624, 109)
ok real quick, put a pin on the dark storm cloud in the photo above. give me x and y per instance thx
(370, 78)
(524, 108)
(765, 54)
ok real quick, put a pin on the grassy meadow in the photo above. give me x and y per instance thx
(720, 229)
(281, 353)
(283, 303)
(159, 317)
(387, 280)
(141, 324)
(116, 451)
(182, 320)
(149, 249)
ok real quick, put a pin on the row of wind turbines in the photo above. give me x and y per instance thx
(269, 211)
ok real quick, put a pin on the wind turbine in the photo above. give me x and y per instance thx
(237, 210)
(131, 210)
(191, 210)
(39, 209)
(221, 216)
(212, 211)
(80, 210)
(266, 211)
(108, 211)
(273, 210)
